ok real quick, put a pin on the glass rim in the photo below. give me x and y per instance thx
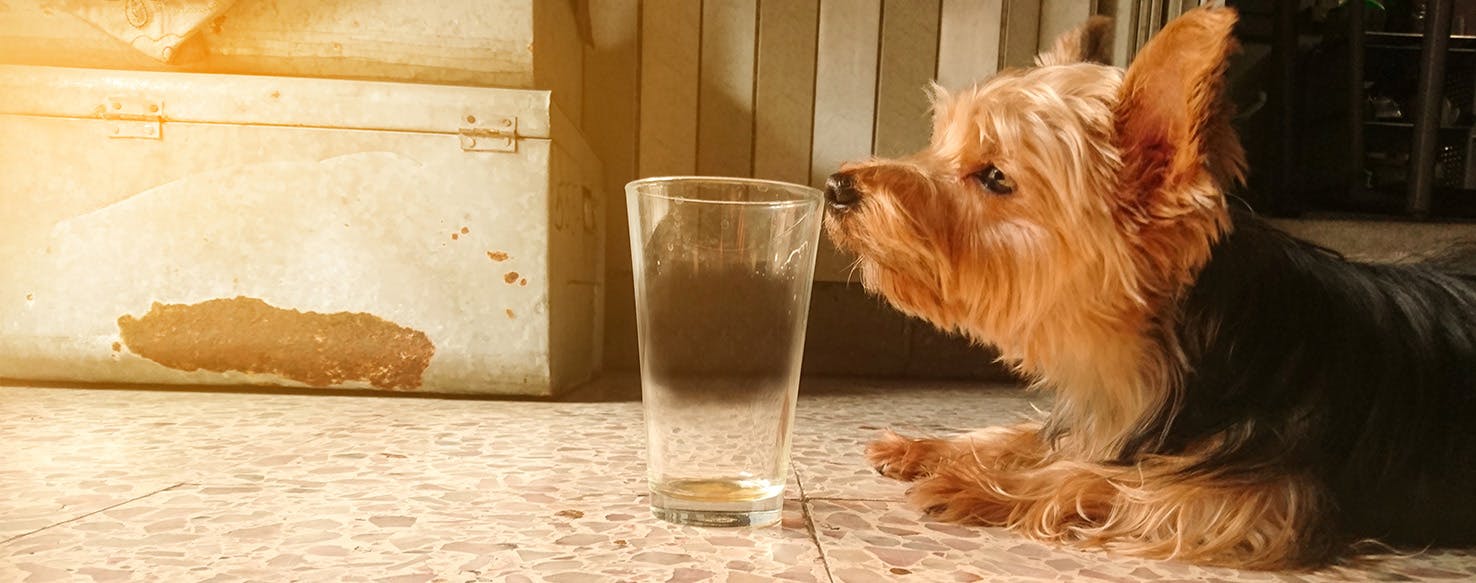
(805, 194)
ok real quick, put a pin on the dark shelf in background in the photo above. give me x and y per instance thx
(1411, 41)
(1332, 215)
(1406, 125)
(1321, 150)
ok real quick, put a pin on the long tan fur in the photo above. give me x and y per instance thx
(1006, 477)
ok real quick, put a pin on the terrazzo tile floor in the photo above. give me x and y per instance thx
(124, 485)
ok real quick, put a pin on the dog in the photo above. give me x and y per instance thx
(1224, 393)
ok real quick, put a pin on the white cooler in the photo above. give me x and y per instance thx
(205, 229)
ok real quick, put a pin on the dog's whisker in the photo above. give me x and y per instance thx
(851, 271)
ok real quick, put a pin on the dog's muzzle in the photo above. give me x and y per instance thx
(841, 192)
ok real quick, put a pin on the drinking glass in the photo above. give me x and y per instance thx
(723, 269)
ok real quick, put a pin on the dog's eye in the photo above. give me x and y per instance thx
(994, 180)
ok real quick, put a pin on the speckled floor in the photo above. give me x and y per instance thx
(112, 485)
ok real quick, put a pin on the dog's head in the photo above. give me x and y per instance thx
(1069, 189)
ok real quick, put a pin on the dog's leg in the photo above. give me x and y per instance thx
(1005, 477)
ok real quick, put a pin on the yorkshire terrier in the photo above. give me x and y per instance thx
(1225, 394)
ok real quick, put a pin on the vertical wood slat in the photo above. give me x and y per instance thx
(969, 41)
(845, 101)
(845, 83)
(611, 82)
(670, 48)
(784, 99)
(725, 99)
(1187, 5)
(1124, 23)
(909, 55)
(1140, 22)
(1144, 24)
(1059, 16)
(1021, 33)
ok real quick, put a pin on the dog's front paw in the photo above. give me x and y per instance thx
(946, 496)
(904, 458)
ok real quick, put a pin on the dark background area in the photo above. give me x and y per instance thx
(1330, 97)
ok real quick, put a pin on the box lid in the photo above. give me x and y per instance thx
(283, 101)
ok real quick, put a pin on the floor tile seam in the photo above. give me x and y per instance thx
(855, 499)
(810, 527)
(15, 538)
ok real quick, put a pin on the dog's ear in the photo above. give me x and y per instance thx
(1173, 123)
(1089, 43)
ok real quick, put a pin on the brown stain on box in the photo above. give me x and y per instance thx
(498, 256)
(510, 277)
(248, 335)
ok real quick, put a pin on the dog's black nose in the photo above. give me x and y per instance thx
(840, 191)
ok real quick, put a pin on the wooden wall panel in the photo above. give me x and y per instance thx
(611, 95)
(785, 89)
(725, 99)
(909, 55)
(671, 31)
(845, 101)
(1021, 33)
(784, 100)
(969, 41)
(845, 83)
(1059, 16)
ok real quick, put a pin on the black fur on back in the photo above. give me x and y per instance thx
(1360, 375)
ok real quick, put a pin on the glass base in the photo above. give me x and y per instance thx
(724, 514)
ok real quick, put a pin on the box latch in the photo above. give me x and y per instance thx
(489, 133)
(134, 117)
